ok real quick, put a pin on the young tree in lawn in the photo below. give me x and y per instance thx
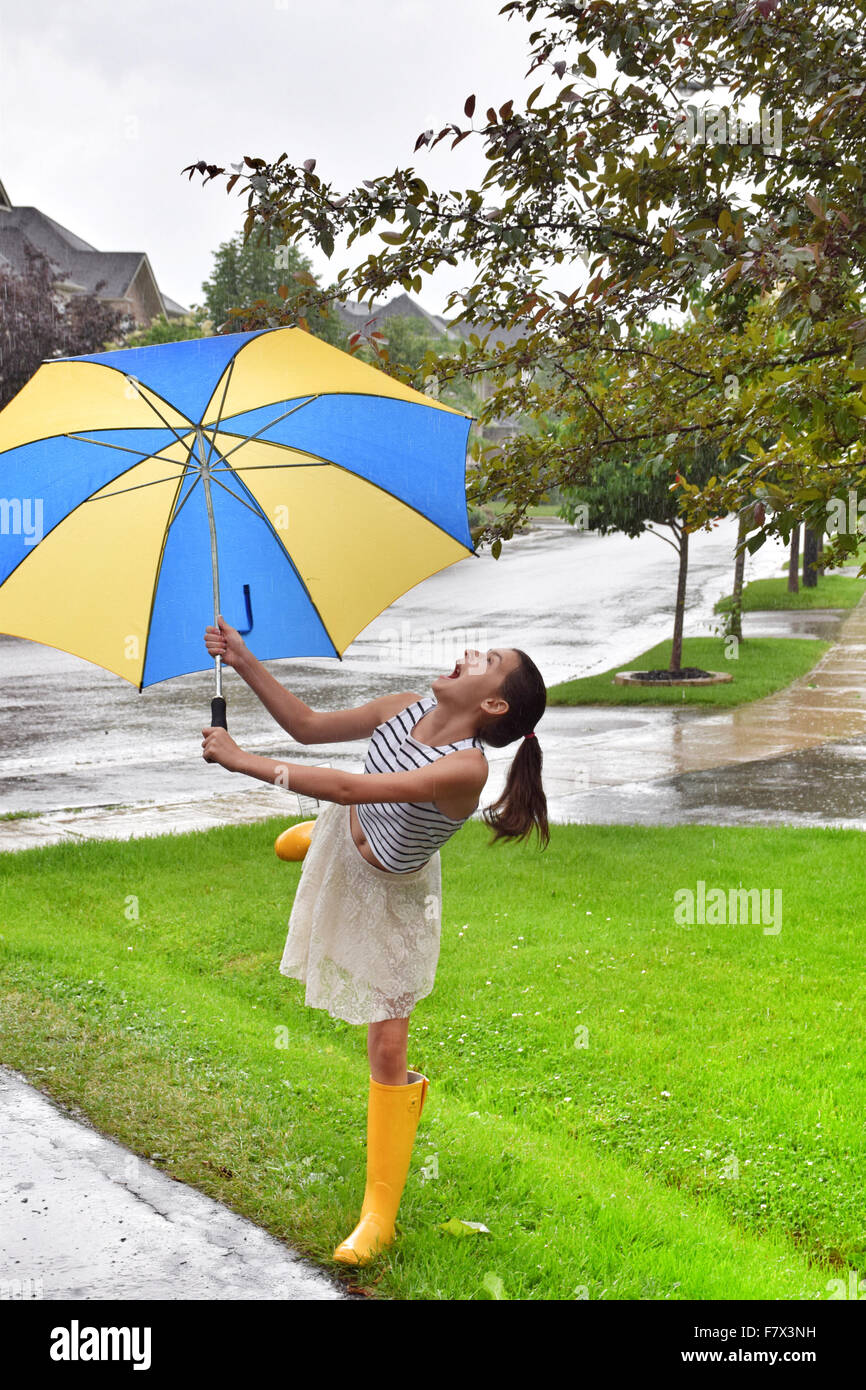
(811, 549)
(794, 561)
(749, 518)
(637, 495)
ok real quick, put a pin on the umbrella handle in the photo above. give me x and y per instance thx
(218, 713)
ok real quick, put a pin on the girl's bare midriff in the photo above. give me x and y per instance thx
(362, 842)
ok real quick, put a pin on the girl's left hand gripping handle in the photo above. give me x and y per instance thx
(218, 713)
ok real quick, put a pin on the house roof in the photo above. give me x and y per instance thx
(13, 247)
(404, 306)
(70, 255)
(482, 327)
(172, 308)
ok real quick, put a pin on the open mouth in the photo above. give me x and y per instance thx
(454, 674)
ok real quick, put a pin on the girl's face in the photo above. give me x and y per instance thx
(476, 681)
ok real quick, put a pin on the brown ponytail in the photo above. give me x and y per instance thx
(522, 804)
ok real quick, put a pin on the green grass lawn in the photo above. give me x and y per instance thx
(833, 591)
(703, 1139)
(762, 665)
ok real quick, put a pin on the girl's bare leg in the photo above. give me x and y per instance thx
(387, 1049)
(392, 1119)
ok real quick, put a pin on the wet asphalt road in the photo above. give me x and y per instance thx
(73, 735)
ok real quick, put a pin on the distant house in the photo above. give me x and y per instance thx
(129, 281)
(403, 306)
(355, 316)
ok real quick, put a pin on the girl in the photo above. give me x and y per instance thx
(365, 924)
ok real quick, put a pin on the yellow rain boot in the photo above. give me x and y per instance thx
(393, 1113)
(294, 842)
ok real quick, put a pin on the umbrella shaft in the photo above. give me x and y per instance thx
(214, 558)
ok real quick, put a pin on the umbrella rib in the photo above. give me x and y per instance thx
(212, 442)
(290, 448)
(310, 459)
(158, 574)
(175, 478)
(259, 514)
(156, 412)
(188, 472)
(311, 462)
(248, 439)
(124, 448)
(197, 478)
(293, 448)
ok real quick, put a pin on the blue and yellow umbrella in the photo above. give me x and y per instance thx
(267, 475)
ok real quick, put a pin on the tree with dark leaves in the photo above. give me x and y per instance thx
(37, 322)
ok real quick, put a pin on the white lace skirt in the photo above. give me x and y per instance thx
(364, 941)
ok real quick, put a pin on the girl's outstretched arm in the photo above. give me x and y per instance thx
(457, 774)
(303, 724)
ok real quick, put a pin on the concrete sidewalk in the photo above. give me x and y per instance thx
(85, 1218)
(825, 706)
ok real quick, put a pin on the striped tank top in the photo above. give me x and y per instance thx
(403, 835)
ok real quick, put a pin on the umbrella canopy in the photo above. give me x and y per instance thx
(316, 487)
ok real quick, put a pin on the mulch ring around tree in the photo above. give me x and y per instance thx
(685, 675)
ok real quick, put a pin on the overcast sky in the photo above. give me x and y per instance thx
(103, 103)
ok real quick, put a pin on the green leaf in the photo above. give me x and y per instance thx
(493, 1286)
(456, 1227)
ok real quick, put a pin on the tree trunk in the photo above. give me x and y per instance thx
(735, 627)
(679, 612)
(821, 536)
(810, 555)
(794, 561)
